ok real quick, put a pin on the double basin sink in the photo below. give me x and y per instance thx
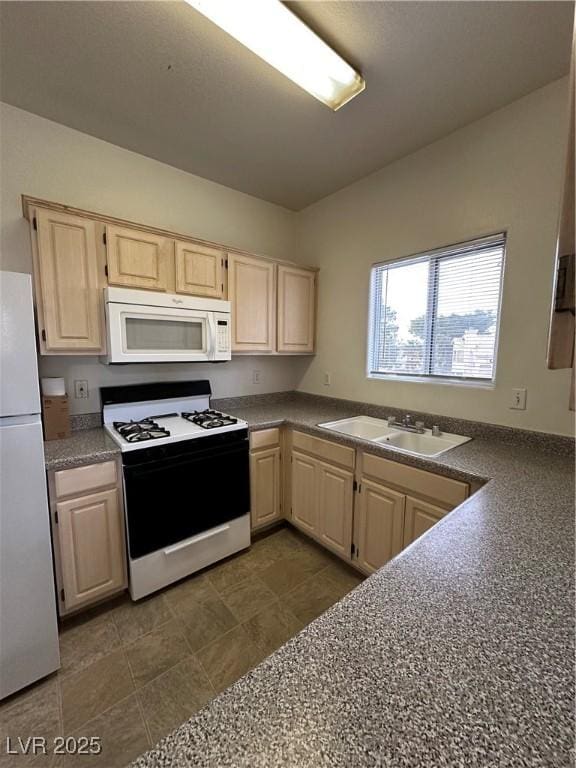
(378, 431)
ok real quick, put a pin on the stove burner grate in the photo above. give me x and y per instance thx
(138, 431)
(209, 419)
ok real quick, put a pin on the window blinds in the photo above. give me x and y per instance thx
(437, 314)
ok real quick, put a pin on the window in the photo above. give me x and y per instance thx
(436, 315)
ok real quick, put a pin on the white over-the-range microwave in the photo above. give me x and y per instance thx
(153, 327)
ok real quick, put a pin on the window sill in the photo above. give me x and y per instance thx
(466, 383)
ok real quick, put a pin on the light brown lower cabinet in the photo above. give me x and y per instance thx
(335, 504)
(419, 517)
(265, 486)
(303, 493)
(88, 534)
(91, 547)
(380, 525)
(366, 523)
(322, 500)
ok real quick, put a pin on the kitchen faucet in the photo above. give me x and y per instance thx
(406, 423)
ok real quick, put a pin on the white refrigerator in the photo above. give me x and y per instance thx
(28, 623)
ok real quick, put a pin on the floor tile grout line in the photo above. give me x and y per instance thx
(172, 610)
(62, 675)
(60, 705)
(193, 654)
(182, 636)
(217, 692)
(146, 634)
(116, 650)
(29, 690)
(271, 599)
(217, 638)
(138, 702)
(282, 607)
(104, 711)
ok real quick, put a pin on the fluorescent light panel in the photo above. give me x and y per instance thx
(275, 34)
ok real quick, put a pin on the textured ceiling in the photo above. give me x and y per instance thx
(159, 79)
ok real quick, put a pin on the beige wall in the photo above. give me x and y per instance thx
(47, 160)
(503, 172)
(229, 379)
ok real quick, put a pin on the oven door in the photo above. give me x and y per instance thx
(159, 334)
(171, 499)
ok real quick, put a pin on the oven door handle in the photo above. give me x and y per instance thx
(195, 539)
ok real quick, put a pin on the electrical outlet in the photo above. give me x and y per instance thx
(255, 376)
(327, 378)
(518, 401)
(81, 389)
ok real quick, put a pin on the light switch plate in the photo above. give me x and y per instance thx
(327, 378)
(518, 401)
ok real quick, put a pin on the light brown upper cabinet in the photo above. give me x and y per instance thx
(138, 259)
(69, 277)
(296, 309)
(77, 253)
(273, 306)
(252, 291)
(199, 270)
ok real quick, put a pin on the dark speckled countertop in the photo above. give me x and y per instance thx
(86, 446)
(459, 652)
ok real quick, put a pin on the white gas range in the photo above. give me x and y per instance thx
(186, 479)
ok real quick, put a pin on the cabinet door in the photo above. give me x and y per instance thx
(199, 270)
(70, 300)
(265, 486)
(381, 521)
(335, 508)
(420, 516)
(296, 309)
(137, 259)
(304, 496)
(252, 291)
(90, 533)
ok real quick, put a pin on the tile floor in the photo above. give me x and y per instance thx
(132, 672)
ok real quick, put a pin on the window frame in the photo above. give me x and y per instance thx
(433, 257)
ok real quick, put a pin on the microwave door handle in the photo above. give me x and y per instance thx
(210, 336)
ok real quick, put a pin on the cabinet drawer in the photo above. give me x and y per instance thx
(443, 489)
(84, 479)
(323, 449)
(264, 438)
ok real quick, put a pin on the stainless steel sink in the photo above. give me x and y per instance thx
(378, 431)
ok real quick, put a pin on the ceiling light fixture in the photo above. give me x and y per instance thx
(275, 34)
